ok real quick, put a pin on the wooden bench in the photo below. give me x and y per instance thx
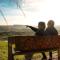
(26, 44)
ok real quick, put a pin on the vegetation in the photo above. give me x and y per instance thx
(3, 50)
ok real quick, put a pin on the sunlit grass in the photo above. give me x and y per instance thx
(3, 50)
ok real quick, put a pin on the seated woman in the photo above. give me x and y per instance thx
(51, 31)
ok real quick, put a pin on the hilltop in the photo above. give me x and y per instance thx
(18, 30)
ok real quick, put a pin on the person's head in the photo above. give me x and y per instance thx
(41, 25)
(50, 23)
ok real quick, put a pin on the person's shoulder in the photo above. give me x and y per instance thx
(54, 29)
(48, 29)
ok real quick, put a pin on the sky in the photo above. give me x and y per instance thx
(29, 12)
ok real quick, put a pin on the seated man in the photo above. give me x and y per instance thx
(40, 31)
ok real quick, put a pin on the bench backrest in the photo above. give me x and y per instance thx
(34, 43)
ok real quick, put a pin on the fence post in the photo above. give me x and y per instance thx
(10, 55)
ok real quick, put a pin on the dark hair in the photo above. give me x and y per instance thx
(41, 23)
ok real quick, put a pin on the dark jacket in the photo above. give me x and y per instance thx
(38, 32)
(51, 31)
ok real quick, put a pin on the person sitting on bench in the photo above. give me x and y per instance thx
(50, 31)
(40, 31)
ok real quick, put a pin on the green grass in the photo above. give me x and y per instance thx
(3, 50)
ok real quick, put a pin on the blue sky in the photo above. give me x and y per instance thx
(7, 4)
(9, 9)
(34, 10)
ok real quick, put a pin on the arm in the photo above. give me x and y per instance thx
(33, 28)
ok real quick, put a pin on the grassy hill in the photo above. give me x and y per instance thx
(21, 30)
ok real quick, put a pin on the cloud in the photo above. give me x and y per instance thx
(35, 11)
